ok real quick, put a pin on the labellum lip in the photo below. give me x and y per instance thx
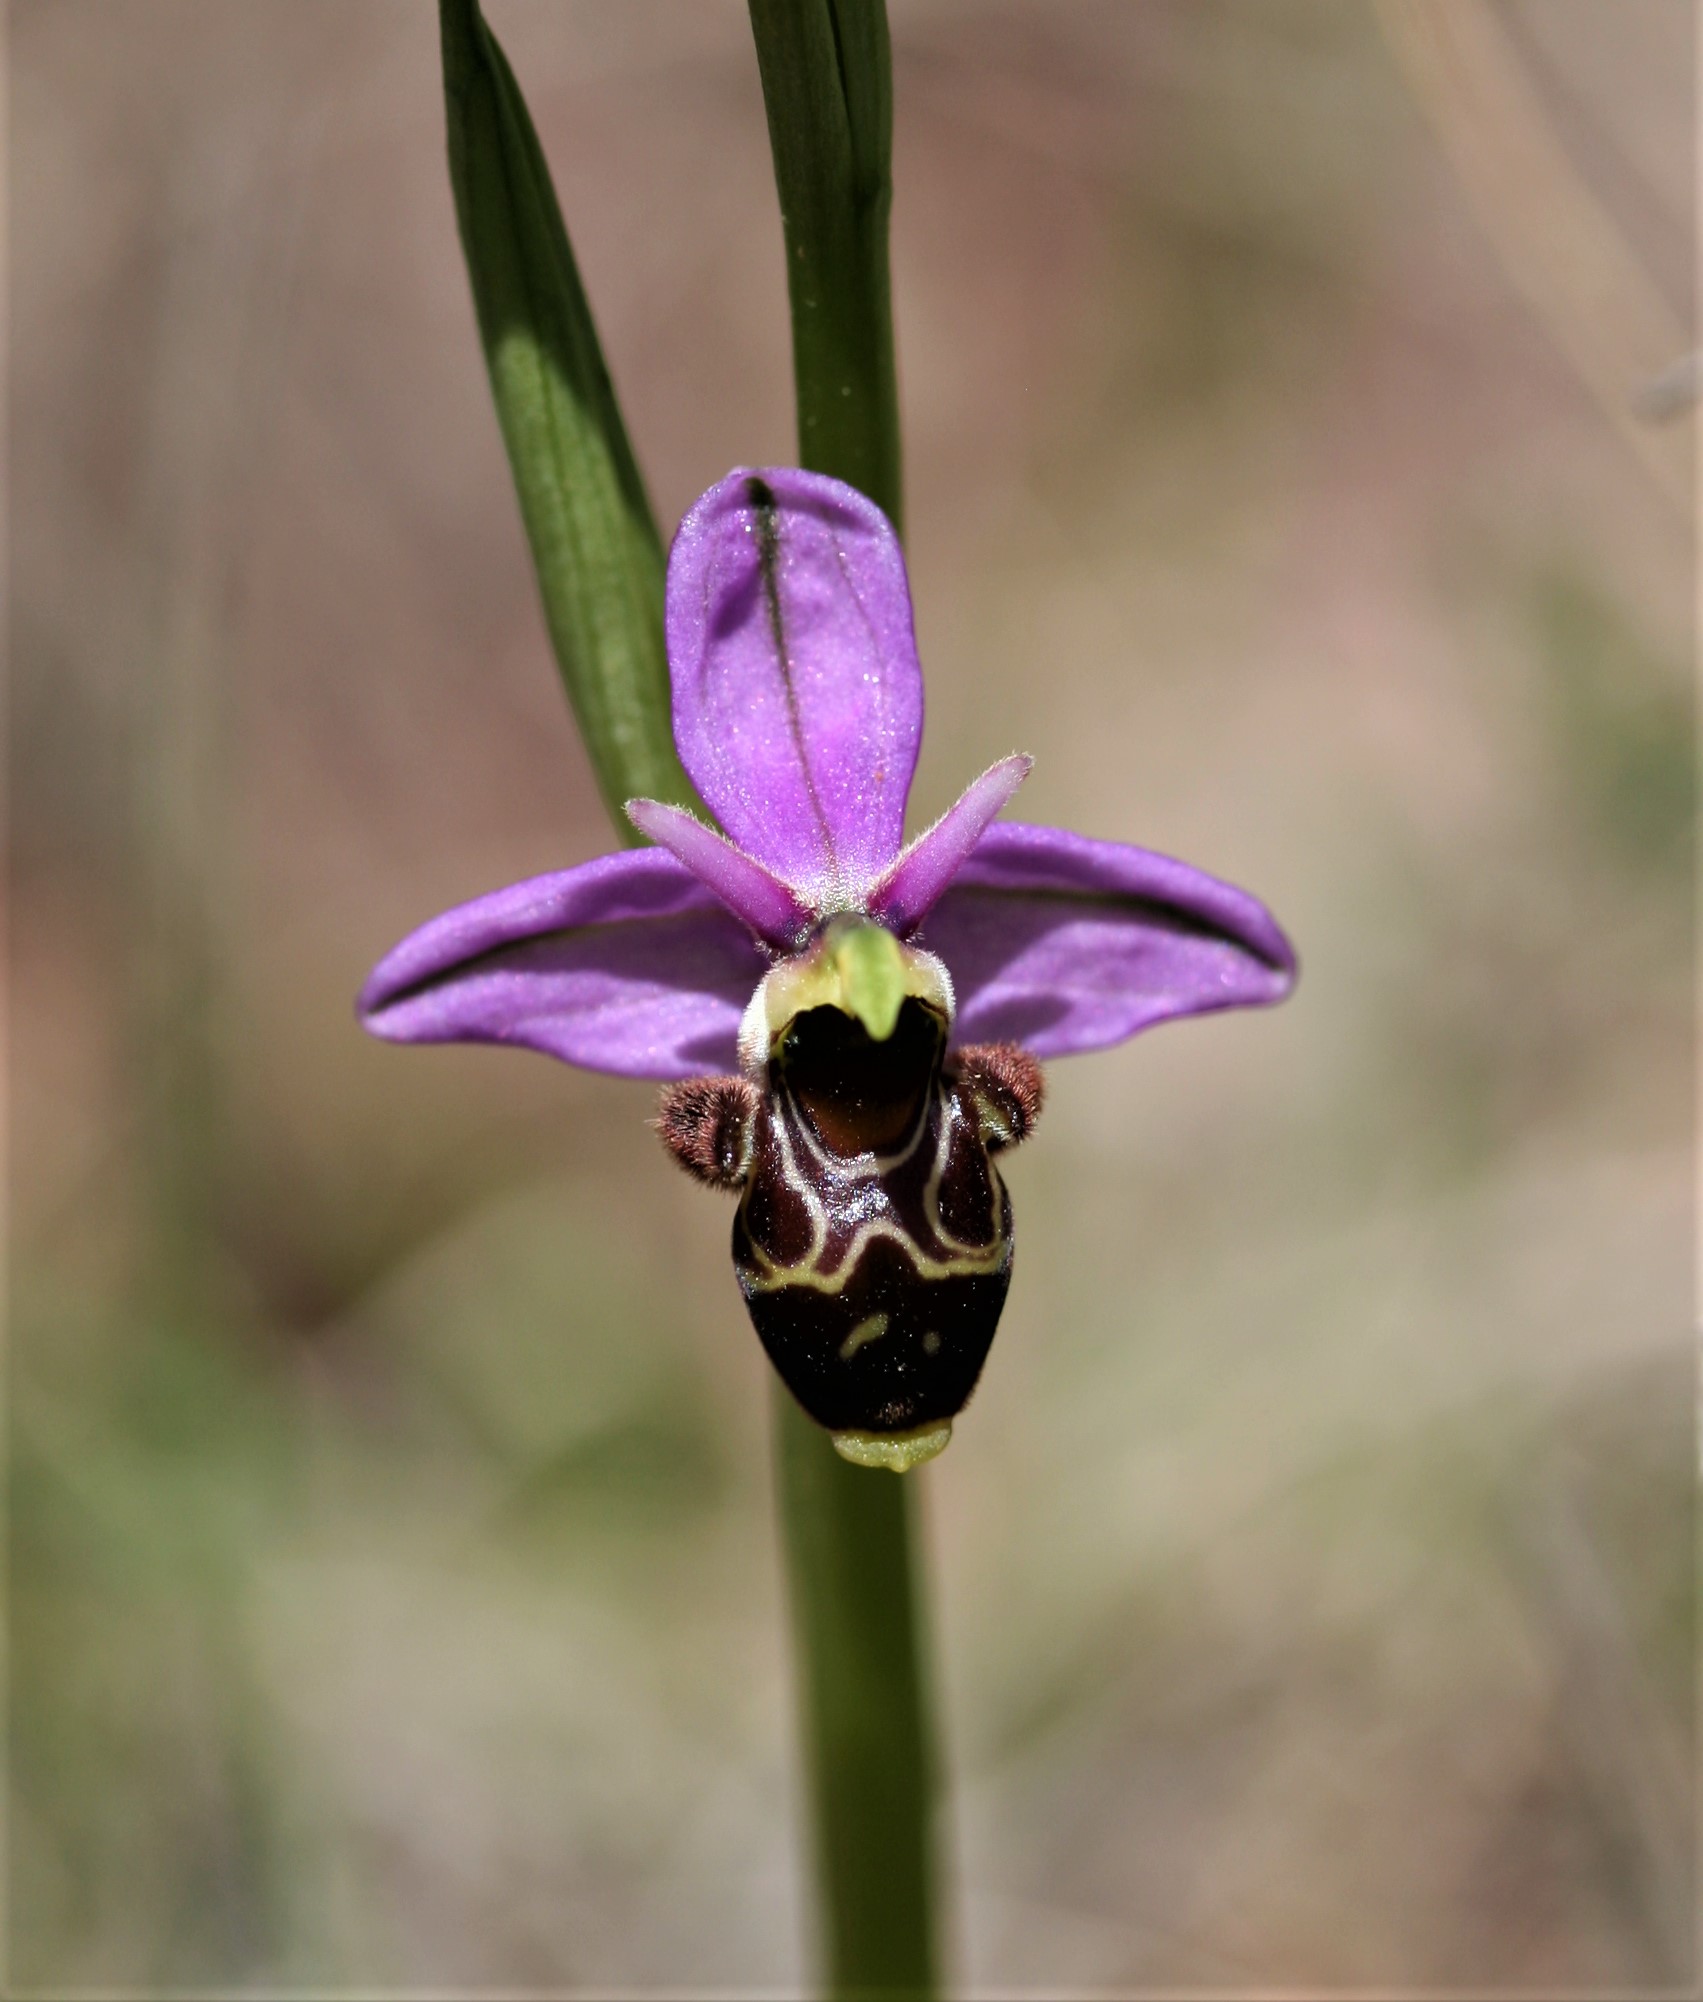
(873, 1240)
(873, 1236)
(813, 1315)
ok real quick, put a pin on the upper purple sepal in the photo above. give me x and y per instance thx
(797, 694)
(1064, 944)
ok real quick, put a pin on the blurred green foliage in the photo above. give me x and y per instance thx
(1623, 719)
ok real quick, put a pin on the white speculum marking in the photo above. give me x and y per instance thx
(962, 1259)
(867, 1331)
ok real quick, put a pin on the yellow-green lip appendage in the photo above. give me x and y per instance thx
(897, 1451)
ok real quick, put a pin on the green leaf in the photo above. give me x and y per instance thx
(595, 545)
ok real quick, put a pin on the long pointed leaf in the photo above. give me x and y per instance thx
(594, 540)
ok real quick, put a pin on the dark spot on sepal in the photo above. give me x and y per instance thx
(707, 1124)
(1004, 1087)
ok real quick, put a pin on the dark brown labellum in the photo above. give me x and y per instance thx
(873, 1240)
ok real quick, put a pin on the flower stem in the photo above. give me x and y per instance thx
(850, 1538)
(828, 88)
(850, 1534)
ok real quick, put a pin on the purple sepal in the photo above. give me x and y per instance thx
(744, 886)
(1065, 944)
(626, 964)
(797, 695)
(919, 878)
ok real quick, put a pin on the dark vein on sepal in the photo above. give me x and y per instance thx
(762, 499)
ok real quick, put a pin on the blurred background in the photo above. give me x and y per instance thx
(395, 1593)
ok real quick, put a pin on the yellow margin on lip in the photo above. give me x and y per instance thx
(896, 1451)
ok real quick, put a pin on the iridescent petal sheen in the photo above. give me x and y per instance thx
(625, 964)
(797, 695)
(1064, 944)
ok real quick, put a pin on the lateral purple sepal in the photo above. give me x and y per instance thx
(919, 878)
(1065, 944)
(797, 694)
(625, 964)
(747, 889)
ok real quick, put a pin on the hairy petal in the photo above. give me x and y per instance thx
(625, 964)
(915, 883)
(1063, 944)
(797, 695)
(747, 889)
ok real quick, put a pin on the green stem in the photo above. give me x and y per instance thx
(595, 547)
(850, 1541)
(828, 87)
(850, 1533)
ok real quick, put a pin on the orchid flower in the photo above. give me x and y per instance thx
(849, 1029)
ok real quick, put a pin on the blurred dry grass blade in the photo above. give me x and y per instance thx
(1556, 240)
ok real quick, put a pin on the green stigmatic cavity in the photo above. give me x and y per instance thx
(873, 1237)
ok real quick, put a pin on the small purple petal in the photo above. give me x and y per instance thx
(744, 886)
(625, 964)
(1065, 944)
(916, 882)
(797, 695)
